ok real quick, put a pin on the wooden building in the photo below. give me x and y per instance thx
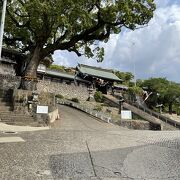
(101, 79)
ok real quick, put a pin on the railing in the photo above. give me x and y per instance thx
(156, 114)
(108, 119)
(103, 116)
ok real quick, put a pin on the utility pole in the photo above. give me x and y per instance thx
(134, 67)
(2, 24)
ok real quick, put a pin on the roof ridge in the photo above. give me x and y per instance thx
(64, 72)
(97, 68)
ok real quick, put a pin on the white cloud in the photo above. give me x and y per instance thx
(60, 59)
(155, 50)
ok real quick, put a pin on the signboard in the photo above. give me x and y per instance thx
(125, 114)
(42, 110)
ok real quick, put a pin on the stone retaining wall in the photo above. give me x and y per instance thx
(9, 82)
(53, 116)
(67, 90)
(135, 124)
(7, 69)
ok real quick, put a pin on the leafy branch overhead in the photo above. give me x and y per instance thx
(71, 25)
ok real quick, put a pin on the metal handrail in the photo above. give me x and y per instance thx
(156, 114)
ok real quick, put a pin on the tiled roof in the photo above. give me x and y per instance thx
(59, 74)
(97, 72)
(63, 75)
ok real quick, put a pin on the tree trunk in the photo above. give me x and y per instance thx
(170, 108)
(29, 80)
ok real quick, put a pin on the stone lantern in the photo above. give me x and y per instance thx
(91, 96)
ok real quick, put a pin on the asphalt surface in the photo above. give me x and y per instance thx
(82, 148)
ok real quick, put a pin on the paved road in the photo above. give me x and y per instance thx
(80, 147)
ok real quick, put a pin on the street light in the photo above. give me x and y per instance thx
(121, 100)
(159, 105)
(2, 24)
(134, 67)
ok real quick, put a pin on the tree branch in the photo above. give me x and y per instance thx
(66, 45)
(75, 50)
(16, 22)
(11, 41)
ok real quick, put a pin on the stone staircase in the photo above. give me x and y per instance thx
(13, 118)
(150, 116)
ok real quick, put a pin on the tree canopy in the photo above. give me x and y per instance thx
(39, 27)
(163, 92)
(71, 25)
(125, 76)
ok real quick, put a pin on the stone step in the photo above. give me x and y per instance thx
(23, 123)
(15, 117)
(12, 113)
(16, 120)
(5, 108)
(5, 103)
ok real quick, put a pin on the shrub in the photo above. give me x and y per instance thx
(59, 96)
(178, 111)
(98, 108)
(98, 96)
(75, 100)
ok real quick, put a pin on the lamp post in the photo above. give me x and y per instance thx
(159, 105)
(121, 100)
(2, 24)
(90, 90)
(134, 67)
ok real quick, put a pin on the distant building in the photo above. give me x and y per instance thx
(12, 62)
(101, 79)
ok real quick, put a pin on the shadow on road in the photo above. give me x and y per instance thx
(141, 162)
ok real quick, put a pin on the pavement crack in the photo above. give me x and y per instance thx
(91, 158)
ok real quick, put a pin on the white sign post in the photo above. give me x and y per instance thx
(125, 114)
(42, 110)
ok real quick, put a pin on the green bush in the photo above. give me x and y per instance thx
(178, 111)
(98, 108)
(75, 100)
(98, 96)
(59, 96)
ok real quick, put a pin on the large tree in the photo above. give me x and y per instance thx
(163, 92)
(39, 27)
(125, 76)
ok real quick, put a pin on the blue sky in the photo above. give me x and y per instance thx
(154, 50)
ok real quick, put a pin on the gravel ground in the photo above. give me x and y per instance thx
(81, 147)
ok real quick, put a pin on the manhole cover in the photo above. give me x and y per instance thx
(10, 132)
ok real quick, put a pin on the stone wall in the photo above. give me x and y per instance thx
(67, 90)
(9, 82)
(135, 124)
(22, 98)
(7, 69)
